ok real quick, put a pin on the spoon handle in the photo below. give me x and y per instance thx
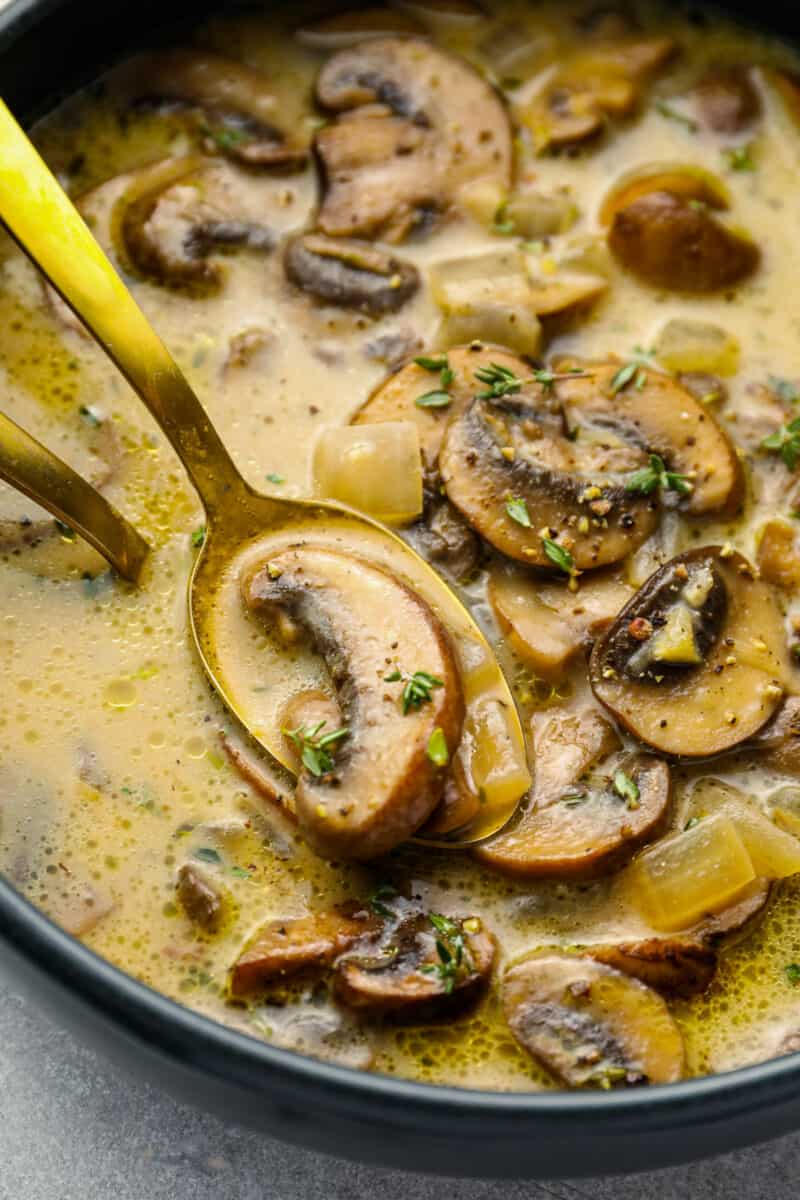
(31, 468)
(43, 221)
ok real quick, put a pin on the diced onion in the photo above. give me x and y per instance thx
(374, 468)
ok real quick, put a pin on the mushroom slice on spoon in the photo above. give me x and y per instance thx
(590, 1025)
(696, 661)
(369, 785)
(350, 273)
(417, 124)
(233, 102)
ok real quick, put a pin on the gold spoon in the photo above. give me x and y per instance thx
(33, 469)
(239, 520)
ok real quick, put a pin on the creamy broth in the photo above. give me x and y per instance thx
(114, 772)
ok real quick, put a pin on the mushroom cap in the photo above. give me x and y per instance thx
(366, 624)
(416, 125)
(350, 273)
(590, 1025)
(730, 684)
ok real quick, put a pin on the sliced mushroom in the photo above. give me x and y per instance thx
(396, 398)
(366, 625)
(602, 81)
(674, 243)
(519, 450)
(655, 410)
(421, 966)
(691, 183)
(680, 966)
(589, 1025)
(350, 273)
(709, 671)
(166, 228)
(281, 948)
(586, 828)
(738, 918)
(416, 125)
(232, 103)
(199, 896)
(779, 742)
(345, 29)
(726, 100)
(547, 625)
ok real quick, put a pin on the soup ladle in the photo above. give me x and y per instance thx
(241, 521)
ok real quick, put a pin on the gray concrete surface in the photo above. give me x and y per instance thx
(72, 1128)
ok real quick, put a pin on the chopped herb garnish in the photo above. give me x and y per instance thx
(418, 687)
(559, 556)
(786, 442)
(655, 475)
(784, 389)
(316, 750)
(739, 158)
(504, 228)
(226, 139)
(627, 789)
(208, 854)
(573, 799)
(435, 399)
(690, 824)
(384, 891)
(623, 377)
(792, 973)
(672, 114)
(241, 873)
(439, 398)
(454, 958)
(517, 509)
(66, 531)
(274, 477)
(502, 381)
(437, 750)
(198, 536)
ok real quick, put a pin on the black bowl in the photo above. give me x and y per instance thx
(46, 47)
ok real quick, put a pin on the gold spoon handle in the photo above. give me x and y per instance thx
(27, 465)
(43, 221)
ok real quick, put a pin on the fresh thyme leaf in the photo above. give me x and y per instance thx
(573, 799)
(690, 824)
(274, 477)
(454, 958)
(418, 687)
(792, 973)
(786, 442)
(501, 381)
(517, 509)
(672, 114)
(548, 378)
(784, 389)
(437, 750)
(316, 748)
(207, 854)
(627, 789)
(227, 139)
(429, 363)
(198, 536)
(66, 531)
(241, 873)
(740, 158)
(435, 399)
(623, 377)
(504, 228)
(559, 556)
(90, 415)
(384, 891)
(655, 475)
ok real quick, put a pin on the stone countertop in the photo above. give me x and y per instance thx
(74, 1128)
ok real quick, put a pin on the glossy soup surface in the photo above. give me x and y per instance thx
(113, 772)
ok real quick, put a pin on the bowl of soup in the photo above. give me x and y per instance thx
(511, 279)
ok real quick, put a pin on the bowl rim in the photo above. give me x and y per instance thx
(199, 1041)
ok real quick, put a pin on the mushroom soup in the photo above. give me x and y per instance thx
(512, 279)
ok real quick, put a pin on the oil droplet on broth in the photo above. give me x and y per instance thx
(121, 693)
(195, 747)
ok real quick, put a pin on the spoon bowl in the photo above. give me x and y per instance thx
(242, 524)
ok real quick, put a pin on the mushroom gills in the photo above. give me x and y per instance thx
(695, 663)
(350, 273)
(591, 1025)
(382, 782)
